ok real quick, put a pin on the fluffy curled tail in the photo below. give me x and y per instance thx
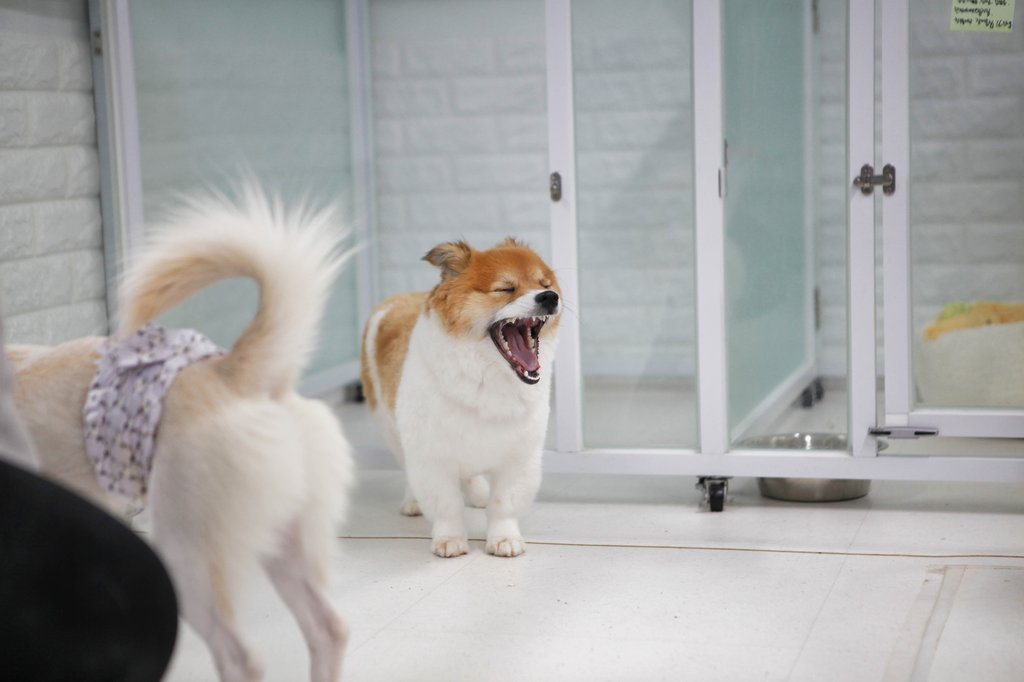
(293, 256)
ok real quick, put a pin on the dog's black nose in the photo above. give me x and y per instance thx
(548, 301)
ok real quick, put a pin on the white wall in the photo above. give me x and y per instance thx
(51, 256)
(461, 152)
(461, 136)
(459, 97)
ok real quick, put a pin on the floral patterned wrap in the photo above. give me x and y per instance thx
(125, 399)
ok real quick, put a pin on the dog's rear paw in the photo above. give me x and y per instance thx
(410, 507)
(447, 546)
(506, 546)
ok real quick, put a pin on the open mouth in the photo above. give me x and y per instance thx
(518, 341)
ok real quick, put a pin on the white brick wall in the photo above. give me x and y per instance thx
(51, 256)
(461, 138)
(461, 148)
(461, 152)
(634, 131)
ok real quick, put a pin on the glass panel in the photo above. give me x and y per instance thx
(634, 154)
(966, 211)
(255, 85)
(784, 119)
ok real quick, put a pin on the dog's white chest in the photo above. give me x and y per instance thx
(460, 394)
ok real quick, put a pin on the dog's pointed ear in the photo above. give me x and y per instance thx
(451, 257)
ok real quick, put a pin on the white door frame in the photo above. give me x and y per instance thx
(714, 456)
(860, 102)
(564, 253)
(117, 126)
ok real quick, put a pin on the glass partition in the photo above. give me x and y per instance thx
(255, 86)
(784, 66)
(634, 168)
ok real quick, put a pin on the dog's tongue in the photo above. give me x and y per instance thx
(519, 344)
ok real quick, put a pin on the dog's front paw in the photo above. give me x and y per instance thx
(447, 546)
(410, 507)
(506, 546)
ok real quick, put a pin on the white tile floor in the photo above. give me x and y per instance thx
(626, 578)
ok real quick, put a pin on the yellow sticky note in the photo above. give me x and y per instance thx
(992, 16)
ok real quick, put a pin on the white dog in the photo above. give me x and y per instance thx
(456, 380)
(244, 470)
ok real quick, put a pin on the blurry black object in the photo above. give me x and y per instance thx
(81, 596)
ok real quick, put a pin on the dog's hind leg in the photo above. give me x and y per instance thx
(410, 507)
(300, 585)
(206, 605)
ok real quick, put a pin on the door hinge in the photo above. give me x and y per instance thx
(903, 431)
(97, 42)
(867, 179)
(555, 186)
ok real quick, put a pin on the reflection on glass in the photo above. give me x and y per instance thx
(460, 131)
(784, 119)
(634, 154)
(247, 85)
(966, 211)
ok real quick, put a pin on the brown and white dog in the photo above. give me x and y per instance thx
(245, 471)
(455, 378)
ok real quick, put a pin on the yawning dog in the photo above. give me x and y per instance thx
(244, 470)
(456, 378)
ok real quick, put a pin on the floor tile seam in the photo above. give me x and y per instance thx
(396, 617)
(418, 631)
(711, 548)
(817, 617)
(856, 533)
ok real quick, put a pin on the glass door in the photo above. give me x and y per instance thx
(260, 87)
(634, 196)
(783, 68)
(954, 230)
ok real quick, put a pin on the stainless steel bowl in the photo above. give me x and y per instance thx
(807, 489)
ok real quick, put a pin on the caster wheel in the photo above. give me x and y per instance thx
(807, 398)
(819, 390)
(354, 392)
(716, 495)
(714, 489)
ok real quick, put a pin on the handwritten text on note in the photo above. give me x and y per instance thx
(994, 16)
